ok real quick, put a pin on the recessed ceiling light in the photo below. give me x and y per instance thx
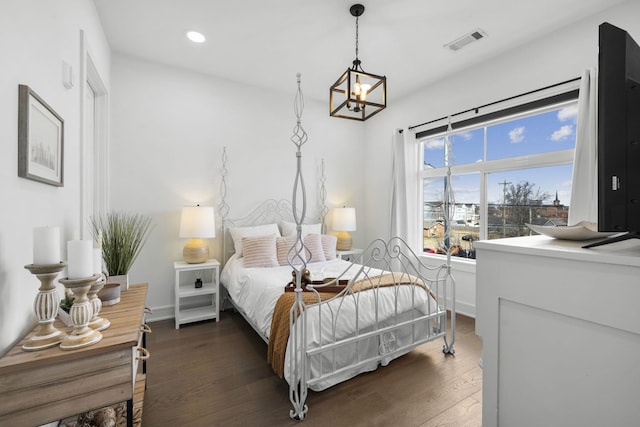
(195, 37)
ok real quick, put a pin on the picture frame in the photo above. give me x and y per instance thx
(40, 139)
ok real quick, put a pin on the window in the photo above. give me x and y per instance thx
(507, 169)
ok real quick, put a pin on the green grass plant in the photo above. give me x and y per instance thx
(123, 236)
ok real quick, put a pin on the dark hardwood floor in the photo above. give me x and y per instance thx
(216, 374)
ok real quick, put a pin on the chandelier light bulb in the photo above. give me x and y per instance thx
(364, 89)
(357, 89)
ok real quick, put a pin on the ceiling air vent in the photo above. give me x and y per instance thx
(461, 42)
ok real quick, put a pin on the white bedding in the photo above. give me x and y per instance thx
(255, 291)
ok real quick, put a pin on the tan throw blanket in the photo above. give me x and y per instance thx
(279, 334)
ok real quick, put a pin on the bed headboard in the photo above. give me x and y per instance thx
(270, 211)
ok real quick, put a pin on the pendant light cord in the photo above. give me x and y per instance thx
(357, 38)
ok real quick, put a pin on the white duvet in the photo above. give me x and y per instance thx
(255, 291)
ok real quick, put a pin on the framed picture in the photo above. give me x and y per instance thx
(40, 139)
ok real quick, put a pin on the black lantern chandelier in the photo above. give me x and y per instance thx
(357, 95)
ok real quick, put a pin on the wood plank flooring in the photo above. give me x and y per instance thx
(216, 374)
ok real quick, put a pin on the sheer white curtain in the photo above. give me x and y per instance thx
(584, 185)
(405, 209)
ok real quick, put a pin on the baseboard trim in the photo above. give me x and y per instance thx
(160, 313)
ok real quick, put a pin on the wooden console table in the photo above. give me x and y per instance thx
(48, 385)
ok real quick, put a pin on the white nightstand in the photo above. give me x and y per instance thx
(189, 305)
(349, 255)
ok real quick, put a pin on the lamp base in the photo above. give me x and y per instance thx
(195, 251)
(344, 241)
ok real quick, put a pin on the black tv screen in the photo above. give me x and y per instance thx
(618, 134)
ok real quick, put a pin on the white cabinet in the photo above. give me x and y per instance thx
(560, 327)
(196, 291)
(349, 255)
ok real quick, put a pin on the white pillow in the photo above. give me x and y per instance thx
(283, 245)
(259, 251)
(313, 242)
(329, 244)
(237, 233)
(289, 229)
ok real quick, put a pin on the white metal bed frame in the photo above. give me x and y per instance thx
(270, 211)
(393, 255)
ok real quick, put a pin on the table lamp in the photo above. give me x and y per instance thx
(197, 223)
(344, 220)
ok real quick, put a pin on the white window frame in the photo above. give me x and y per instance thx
(484, 168)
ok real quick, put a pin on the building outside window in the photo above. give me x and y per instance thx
(508, 169)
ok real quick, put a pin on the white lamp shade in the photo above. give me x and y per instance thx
(344, 219)
(197, 222)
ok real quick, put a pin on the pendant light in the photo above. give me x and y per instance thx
(357, 95)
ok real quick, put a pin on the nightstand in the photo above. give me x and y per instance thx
(349, 255)
(193, 303)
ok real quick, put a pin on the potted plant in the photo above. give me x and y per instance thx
(122, 236)
(65, 308)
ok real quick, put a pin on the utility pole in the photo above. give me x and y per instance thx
(504, 206)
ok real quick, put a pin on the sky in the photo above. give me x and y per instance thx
(550, 131)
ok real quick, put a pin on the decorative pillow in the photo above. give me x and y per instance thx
(237, 233)
(289, 229)
(283, 244)
(260, 251)
(329, 244)
(315, 253)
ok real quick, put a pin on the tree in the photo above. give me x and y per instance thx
(520, 198)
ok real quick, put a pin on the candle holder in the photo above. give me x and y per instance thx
(81, 313)
(45, 307)
(97, 323)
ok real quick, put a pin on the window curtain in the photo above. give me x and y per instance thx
(405, 210)
(584, 183)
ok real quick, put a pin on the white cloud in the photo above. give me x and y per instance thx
(563, 133)
(466, 136)
(517, 135)
(435, 144)
(568, 113)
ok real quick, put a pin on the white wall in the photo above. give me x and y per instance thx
(36, 36)
(550, 59)
(169, 127)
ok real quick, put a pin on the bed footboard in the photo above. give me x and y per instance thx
(392, 302)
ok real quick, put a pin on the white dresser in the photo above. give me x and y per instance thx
(560, 327)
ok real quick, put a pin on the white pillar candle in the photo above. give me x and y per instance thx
(46, 245)
(80, 255)
(97, 261)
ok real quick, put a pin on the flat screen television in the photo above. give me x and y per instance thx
(618, 134)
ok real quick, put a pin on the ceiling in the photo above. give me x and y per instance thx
(265, 43)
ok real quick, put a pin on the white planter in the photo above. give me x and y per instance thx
(64, 317)
(122, 279)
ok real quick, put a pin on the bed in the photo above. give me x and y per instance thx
(326, 320)
(351, 317)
